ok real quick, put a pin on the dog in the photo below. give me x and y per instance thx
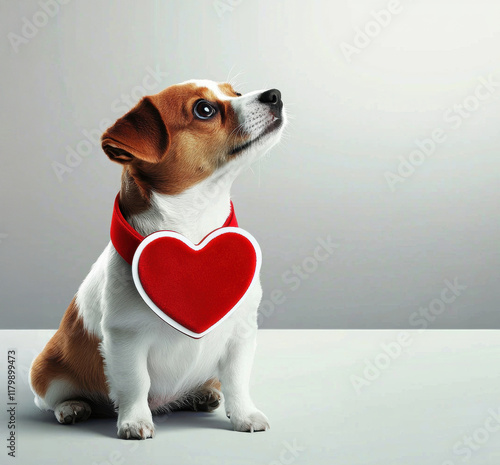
(181, 150)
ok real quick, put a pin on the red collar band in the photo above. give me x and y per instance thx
(126, 239)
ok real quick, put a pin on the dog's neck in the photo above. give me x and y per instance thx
(193, 213)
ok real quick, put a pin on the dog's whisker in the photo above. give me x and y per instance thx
(228, 79)
(233, 80)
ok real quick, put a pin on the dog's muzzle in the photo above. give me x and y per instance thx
(272, 98)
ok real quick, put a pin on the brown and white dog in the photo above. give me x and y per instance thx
(181, 150)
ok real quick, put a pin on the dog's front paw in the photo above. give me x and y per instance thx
(136, 430)
(249, 422)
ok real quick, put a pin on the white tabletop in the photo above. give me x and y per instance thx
(435, 400)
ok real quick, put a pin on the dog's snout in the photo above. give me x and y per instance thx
(271, 97)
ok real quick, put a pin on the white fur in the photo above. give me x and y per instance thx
(148, 364)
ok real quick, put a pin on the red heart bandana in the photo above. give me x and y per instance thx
(193, 287)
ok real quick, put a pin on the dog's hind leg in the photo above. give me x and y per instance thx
(205, 398)
(72, 411)
(68, 371)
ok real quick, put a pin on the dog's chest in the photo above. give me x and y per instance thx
(178, 363)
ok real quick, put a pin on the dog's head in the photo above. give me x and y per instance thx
(186, 133)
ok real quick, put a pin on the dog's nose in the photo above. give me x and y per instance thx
(271, 97)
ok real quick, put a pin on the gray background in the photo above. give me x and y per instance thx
(351, 123)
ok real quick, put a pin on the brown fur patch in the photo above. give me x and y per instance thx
(195, 149)
(72, 355)
(133, 199)
(227, 89)
(213, 383)
(139, 134)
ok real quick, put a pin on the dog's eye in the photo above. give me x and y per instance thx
(238, 94)
(204, 110)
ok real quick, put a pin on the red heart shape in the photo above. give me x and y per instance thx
(195, 287)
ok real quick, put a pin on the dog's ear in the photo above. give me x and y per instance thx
(139, 134)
